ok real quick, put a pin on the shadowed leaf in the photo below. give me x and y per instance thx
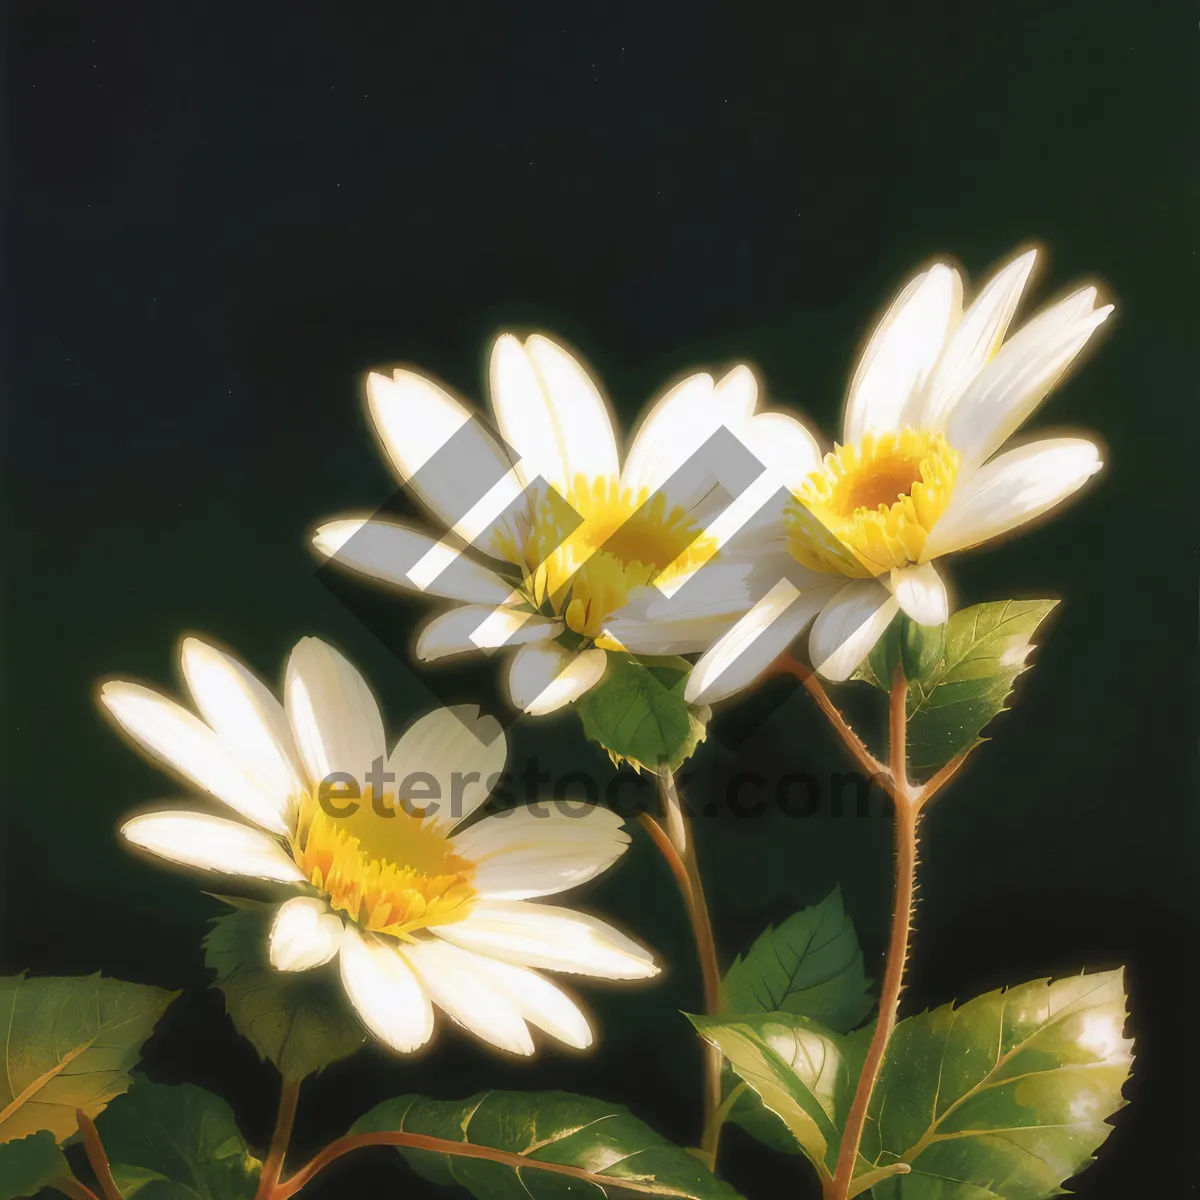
(623, 1157)
(299, 1021)
(29, 1164)
(177, 1143)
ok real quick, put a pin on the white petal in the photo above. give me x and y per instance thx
(555, 939)
(462, 750)
(415, 419)
(977, 338)
(536, 999)
(475, 627)
(550, 412)
(333, 715)
(784, 445)
(304, 934)
(1020, 376)
(903, 351)
(212, 844)
(468, 995)
(921, 594)
(750, 647)
(849, 626)
(405, 558)
(544, 676)
(385, 993)
(541, 849)
(680, 423)
(175, 737)
(246, 717)
(577, 410)
(1012, 489)
(689, 620)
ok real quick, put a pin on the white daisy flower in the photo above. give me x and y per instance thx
(937, 393)
(569, 533)
(418, 909)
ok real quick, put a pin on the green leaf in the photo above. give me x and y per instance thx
(622, 1156)
(70, 1045)
(803, 1073)
(811, 965)
(29, 1164)
(638, 714)
(1005, 1097)
(177, 1143)
(986, 649)
(299, 1021)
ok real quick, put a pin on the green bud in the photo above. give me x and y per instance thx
(916, 649)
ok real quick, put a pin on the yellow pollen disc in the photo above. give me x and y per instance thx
(871, 506)
(390, 874)
(625, 541)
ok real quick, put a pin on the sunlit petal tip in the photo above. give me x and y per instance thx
(921, 593)
(1013, 489)
(333, 713)
(329, 538)
(385, 993)
(304, 935)
(740, 381)
(544, 676)
(465, 986)
(849, 626)
(209, 843)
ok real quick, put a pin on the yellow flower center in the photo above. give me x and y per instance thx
(391, 874)
(625, 540)
(871, 506)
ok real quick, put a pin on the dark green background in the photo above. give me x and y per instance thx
(220, 216)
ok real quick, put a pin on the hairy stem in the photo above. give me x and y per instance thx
(678, 848)
(268, 1182)
(96, 1156)
(786, 665)
(908, 812)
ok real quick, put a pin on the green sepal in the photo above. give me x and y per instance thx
(637, 712)
(916, 649)
(299, 1021)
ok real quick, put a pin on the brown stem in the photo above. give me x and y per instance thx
(706, 948)
(74, 1189)
(658, 835)
(268, 1181)
(908, 813)
(682, 861)
(785, 664)
(936, 782)
(97, 1158)
(418, 1141)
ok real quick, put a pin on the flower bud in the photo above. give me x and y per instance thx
(916, 649)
